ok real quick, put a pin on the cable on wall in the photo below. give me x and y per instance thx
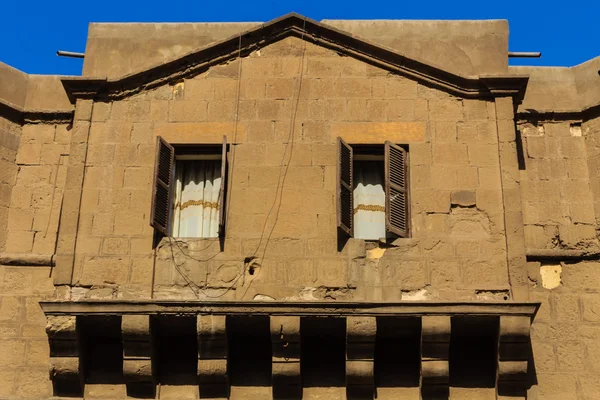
(281, 180)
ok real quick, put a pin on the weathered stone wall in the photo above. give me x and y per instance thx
(565, 333)
(39, 176)
(458, 248)
(557, 195)
(23, 341)
(10, 134)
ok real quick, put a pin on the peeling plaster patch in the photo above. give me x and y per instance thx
(533, 130)
(550, 276)
(576, 130)
(308, 293)
(262, 297)
(178, 90)
(492, 295)
(375, 253)
(415, 295)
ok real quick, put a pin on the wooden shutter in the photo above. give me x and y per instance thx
(345, 209)
(397, 219)
(164, 168)
(222, 190)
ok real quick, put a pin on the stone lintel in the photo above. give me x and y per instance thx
(316, 308)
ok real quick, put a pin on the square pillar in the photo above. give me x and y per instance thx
(360, 355)
(513, 356)
(65, 369)
(285, 342)
(212, 357)
(435, 351)
(137, 355)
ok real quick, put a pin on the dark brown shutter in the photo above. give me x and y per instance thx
(164, 167)
(345, 210)
(397, 218)
(222, 190)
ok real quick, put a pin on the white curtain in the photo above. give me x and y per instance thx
(369, 200)
(196, 203)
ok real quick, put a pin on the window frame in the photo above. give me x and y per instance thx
(391, 163)
(170, 151)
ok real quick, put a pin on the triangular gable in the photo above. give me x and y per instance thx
(312, 31)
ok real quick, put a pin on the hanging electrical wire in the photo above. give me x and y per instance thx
(281, 179)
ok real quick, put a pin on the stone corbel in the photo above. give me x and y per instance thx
(435, 351)
(360, 354)
(65, 369)
(513, 356)
(285, 344)
(212, 356)
(137, 355)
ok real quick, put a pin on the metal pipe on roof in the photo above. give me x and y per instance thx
(524, 54)
(72, 54)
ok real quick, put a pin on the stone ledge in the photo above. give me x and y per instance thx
(401, 308)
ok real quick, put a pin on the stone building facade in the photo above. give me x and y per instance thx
(485, 285)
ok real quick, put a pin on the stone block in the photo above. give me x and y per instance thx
(557, 386)
(404, 275)
(101, 111)
(463, 198)
(444, 274)
(34, 383)
(115, 246)
(505, 108)
(489, 201)
(536, 147)
(13, 352)
(19, 241)
(450, 154)
(29, 153)
(37, 133)
(352, 88)
(445, 110)
(483, 155)
(188, 111)
(443, 177)
(475, 109)
(331, 272)
(38, 353)
(10, 309)
(104, 270)
(573, 236)
(431, 201)
(20, 219)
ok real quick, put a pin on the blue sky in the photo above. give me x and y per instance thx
(567, 32)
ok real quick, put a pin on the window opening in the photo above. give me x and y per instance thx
(369, 195)
(196, 197)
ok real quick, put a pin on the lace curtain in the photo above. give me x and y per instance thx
(196, 203)
(369, 200)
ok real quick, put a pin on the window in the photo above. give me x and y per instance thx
(372, 194)
(189, 190)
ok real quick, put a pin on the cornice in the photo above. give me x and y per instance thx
(19, 115)
(559, 115)
(295, 25)
(401, 308)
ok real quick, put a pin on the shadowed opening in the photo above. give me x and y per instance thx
(177, 350)
(102, 349)
(398, 352)
(249, 350)
(473, 352)
(323, 351)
